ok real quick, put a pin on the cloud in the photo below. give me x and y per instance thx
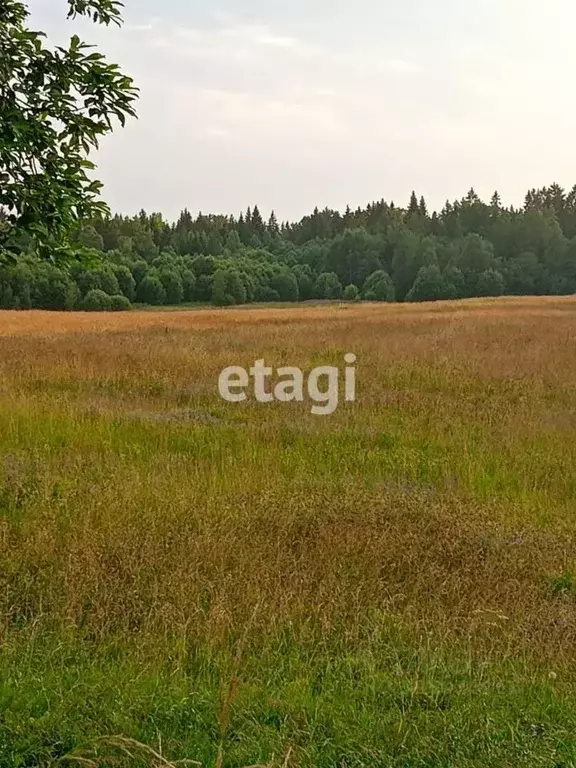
(400, 66)
(260, 35)
(248, 42)
(238, 115)
(344, 102)
(254, 79)
(261, 41)
(149, 27)
(218, 132)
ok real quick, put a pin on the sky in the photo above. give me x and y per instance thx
(292, 105)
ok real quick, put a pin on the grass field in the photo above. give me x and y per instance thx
(239, 585)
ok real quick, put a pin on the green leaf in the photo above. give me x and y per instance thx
(55, 104)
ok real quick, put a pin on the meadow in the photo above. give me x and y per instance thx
(185, 581)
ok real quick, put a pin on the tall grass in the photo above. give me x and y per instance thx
(186, 579)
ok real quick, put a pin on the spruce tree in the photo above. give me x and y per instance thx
(413, 207)
(258, 227)
(273, 227)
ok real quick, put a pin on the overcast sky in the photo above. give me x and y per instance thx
(330, 102)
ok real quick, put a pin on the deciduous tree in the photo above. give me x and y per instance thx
(56, 103)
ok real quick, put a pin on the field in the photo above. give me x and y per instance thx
(244, 584)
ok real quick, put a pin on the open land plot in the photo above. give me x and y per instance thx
(242, 584)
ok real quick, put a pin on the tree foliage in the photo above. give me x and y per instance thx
(379, 253)
(55, 106)
(379, 287)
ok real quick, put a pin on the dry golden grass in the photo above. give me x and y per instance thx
(135, 504)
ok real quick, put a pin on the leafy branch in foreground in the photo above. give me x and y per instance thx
(55, 105)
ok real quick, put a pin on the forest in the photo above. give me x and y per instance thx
(378, 253)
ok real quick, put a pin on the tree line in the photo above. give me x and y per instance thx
(378, 253)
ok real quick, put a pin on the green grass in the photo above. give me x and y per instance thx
(183, 579)
(391, 704)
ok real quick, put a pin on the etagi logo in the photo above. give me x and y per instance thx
(322, 386)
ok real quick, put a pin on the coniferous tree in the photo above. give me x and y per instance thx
(496, 202)
(273, 227)
(470, 248)
(258, 227)
(413, 207)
